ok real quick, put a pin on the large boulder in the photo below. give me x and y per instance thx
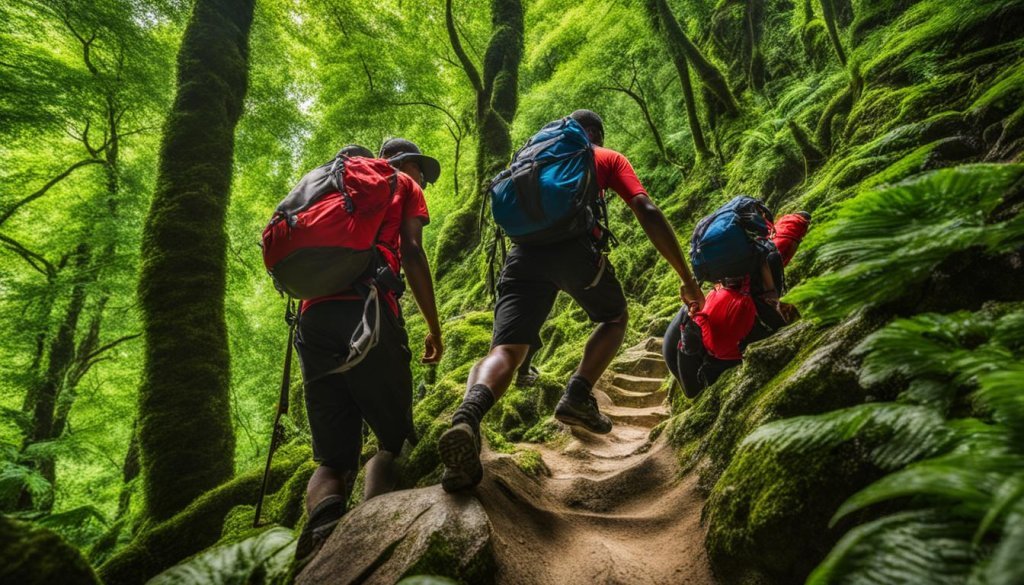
(414, 532)
(32, 555)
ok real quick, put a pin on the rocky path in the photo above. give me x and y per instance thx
(612, 508)
(607, 509)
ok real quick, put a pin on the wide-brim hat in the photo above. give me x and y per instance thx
(399, 150)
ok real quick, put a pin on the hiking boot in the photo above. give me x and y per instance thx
(583, 413)
(459, 447)
(528, 378)
(321, 523)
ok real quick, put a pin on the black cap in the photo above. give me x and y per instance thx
(356, 150)
(590, 121)
(399, 150)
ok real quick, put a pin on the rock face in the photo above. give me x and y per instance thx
(414, 532)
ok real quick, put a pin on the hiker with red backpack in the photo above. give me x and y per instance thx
(339, 242)
(550, 202)
(743, 251)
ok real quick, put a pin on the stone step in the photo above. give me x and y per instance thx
(637, 383)
(641, 417)
(622, 397)
(647, 365)
(653, 344)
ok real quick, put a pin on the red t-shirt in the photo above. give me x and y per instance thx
(614, 172)
(407, 202)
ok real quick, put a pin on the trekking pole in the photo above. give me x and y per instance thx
(277, 434)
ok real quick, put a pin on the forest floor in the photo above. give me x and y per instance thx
(604, 509)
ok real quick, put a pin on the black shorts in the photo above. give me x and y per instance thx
(532, 277)
(377, 390)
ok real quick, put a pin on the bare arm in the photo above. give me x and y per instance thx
(417, 272)
(664, 239)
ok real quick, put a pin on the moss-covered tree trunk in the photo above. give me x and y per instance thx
(497, 99)
(829, 13)
(185, 436)
(753, 19)
(677, 41)
(683, 69)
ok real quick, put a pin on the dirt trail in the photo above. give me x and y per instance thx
(614, 509)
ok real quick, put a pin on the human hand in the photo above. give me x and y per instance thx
(433, 349)
(692, 295)
(789, 312)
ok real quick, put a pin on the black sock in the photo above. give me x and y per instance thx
(578, 388)
(478, 400)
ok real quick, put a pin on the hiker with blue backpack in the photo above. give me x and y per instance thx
(743, 250)
(339, 242)
(550, 202)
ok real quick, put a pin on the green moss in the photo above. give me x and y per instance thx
(161, 545)
(444, 557)
(186, 438)
(768, 515)
(31, 555)
(531, 462)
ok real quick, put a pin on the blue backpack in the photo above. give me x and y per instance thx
(549, 192)
(732, 241)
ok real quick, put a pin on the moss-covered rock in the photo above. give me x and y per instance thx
(30, 555)
(200, 525)
(412, 532)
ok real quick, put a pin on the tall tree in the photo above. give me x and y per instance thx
(186, 440)
(497, 91)
(678, 42)
(104, 37)
(678, 56)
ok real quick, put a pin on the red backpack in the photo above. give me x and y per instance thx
(321, 238)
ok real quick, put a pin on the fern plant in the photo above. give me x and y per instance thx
(881, 243)
(964, 517)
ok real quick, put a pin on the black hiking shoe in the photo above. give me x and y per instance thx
(528, 378)
(459, 447)
(321, 523)
(583, 413)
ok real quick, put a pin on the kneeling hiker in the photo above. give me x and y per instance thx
(550, 202)
(744, 306)
(339, 242)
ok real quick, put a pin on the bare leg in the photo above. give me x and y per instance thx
(497, 369)
(601, 348)
(326, 481)
(381, 475)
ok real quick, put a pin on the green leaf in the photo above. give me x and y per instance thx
(965, 478)
(911, 547)
(73, 518)
(1005, 565)
(881, 243)
(259, 559)
(913, 432)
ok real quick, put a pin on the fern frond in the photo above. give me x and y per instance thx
(1003, 393)
(912, 547)
(1007, 496)
(967, 480)
(14, 478)
(913, 432)
(881, 242)
(1005, 565)
(917, 346)
(73, 518)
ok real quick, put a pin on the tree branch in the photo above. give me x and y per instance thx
(110, 346)
(453, 38)
(35, 260)
(437, 107)
(42, 191)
